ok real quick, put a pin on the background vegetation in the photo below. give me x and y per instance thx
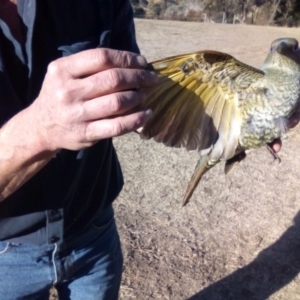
(258, 12)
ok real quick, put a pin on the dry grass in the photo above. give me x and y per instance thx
(239, 238)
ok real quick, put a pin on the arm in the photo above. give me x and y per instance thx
(22, 153)
(84, 98)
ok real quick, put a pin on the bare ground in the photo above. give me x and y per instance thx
(239, 238)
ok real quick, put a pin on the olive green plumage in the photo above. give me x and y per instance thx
(210, 102)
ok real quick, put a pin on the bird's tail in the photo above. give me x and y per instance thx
(201, 168)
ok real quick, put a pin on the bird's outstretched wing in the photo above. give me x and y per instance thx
(195, 103)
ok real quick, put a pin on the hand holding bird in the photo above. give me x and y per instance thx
(212, 103)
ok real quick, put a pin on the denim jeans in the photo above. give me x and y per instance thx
(87, 267)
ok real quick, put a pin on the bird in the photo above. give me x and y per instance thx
(212, 103)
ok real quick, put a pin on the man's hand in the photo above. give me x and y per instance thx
(292, 122)
(91, 96)
(85, 97)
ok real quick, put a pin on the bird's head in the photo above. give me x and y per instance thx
(284, 52)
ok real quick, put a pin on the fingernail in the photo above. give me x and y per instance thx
(141, 60)
(153, 78)
(148, 114)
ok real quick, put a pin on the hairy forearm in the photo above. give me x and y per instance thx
(22, 153)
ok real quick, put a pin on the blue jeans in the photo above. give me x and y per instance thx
(88, 267)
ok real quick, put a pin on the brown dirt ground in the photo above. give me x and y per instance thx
(239, 238)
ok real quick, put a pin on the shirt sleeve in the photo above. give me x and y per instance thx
(124, 30)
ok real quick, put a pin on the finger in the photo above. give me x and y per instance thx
(115, 80)
(107, 128)
(275, 145)
(97, 60)
(112, 105)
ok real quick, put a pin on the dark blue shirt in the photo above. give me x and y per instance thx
(75, 186)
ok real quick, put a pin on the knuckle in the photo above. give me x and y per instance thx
(62, 94)
(103, 57)
(118, 128)
(138, 77)
(147, 77)
(86, 134)
(67, 91)
(76, 114)
(54, 68)
(113, 79)
(116, 103)
(127, 59)
(121, 125)
(143, 76)
(111, 57)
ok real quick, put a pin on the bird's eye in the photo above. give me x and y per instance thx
(271, 49)
(296, 48)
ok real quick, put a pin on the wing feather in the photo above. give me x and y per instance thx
(194, 103)
(223, 131)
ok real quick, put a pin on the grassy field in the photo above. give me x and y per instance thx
(239, 238)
